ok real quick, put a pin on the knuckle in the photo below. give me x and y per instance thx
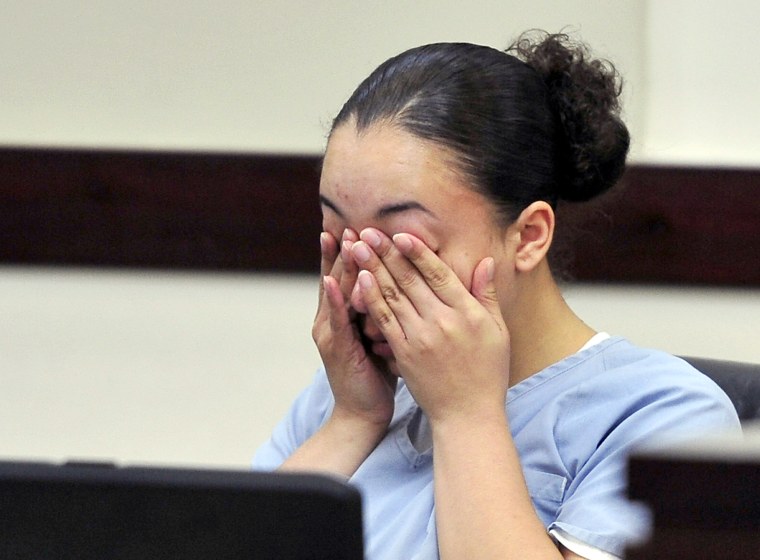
(447, 326)
(318, 334)
(425, 342)
(437, 278)
(390, 294)
(384, 250)
(472, 317)
(407, 278)
(383, 319)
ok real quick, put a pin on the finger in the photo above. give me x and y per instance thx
(404, 273)
(329, 254)
(348, 238)
(350, 269)
(334, 259)
(437, 274)
(356, 300)
(379, 310)
(336, 307)
(394, 296)
(484, 288)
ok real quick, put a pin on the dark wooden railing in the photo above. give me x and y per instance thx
(260, 212)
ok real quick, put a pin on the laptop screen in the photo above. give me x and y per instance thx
(103, 512)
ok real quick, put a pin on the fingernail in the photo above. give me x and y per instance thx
(371, 237)
(365, 279)
(490, 269)
(323, 241)
(361, 253)
(402, 242)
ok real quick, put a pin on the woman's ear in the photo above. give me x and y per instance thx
(534, 229)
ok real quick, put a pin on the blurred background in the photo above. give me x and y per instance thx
(176, 366)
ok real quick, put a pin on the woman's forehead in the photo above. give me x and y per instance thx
(385, 167)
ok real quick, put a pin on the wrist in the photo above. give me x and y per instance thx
(342, 444)
(483, 420)
(353, 428)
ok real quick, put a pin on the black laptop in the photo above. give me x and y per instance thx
(104, 512)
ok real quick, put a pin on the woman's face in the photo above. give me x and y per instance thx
(387, 179)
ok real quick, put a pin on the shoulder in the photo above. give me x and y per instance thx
(648, 374)
(650, 392)
(606, 401)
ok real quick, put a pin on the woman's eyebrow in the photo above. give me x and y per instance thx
(401, 207)
(324, 201)
(383, 211)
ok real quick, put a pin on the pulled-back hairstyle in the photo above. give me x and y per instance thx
(539, 121)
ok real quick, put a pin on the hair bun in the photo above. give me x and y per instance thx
(592, 140)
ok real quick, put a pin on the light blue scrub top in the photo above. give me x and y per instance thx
(574, 424)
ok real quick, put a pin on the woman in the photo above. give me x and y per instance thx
(479, 415)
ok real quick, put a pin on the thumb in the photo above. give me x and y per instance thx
(484, 287)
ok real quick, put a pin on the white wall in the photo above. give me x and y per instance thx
(142, 367)
(702, 83)
(262, 75)
(269, 75)
(197, 368)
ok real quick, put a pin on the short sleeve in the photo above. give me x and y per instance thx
(653, 405)
(307, 414)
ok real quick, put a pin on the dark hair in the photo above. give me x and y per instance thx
(539, 121)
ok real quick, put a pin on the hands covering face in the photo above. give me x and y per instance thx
(361, 388)
(450, 345)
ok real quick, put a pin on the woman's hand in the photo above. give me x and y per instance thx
(364, 394)
(452, 348)
(451, 345)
